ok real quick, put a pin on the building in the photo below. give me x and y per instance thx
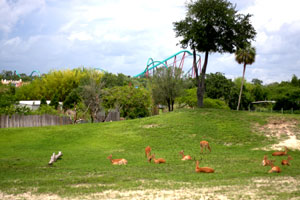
(35, 104)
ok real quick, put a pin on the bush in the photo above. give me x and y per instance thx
(215, 103)
(190, 99)
(132, 102)
(45, 109)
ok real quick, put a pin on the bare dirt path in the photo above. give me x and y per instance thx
(285, 131)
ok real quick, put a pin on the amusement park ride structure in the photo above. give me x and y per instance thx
(178, 57)
(152, 65)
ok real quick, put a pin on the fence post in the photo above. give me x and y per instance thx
(281, 110)
(292, 110)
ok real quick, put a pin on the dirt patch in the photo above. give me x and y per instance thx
(150, 126)
(285, 130)
(257, 188)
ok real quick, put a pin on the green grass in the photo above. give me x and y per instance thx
(25, 153)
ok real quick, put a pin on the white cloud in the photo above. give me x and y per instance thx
(83, 36)
(120, 35)
(13, 11)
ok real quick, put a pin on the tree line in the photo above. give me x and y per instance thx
(88, 92)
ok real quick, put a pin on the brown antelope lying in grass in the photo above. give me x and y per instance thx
(156, 161)
(280, 153)
(266, 162)
(286, 162)
(185, 157)
(147, 151)
(203, 169)
(120, 161)
(274, 169)
(204, 144)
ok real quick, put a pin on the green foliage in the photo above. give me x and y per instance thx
(132, 102)
(167, 85)
(7, 96)
(215, 103)
(111, 80)
(91, 92)
(46, 109)
(8, 110)
(72, 100)
(214, 26)
(218, 86)
(60, 82)
(190, 99)
(43, 101)
(32, 91)
(245, 55)
(54, 101)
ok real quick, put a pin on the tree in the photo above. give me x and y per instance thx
(167, 85)
(244, 56)
(218, 86)
(132, 102)
(54, 101)
(43, 101)
(91, 93)
(71, 101)
(212, 26)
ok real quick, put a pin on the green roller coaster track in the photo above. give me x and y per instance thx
(157, 63)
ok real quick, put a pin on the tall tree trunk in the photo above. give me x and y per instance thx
(201, 82)
(169, 104)
(241, 90)
(75, 117)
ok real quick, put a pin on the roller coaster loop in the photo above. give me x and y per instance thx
(36, 71)
(100, 69)
(165, 64)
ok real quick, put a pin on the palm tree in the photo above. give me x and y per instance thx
(247, 57)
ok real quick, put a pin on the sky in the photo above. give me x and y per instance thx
(120, 35)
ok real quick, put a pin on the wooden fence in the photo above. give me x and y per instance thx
(113, 116)
(32, 120)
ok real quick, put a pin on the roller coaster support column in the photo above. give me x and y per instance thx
(182, 61)
(174, 63)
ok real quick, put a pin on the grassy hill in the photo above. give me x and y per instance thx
(85, 170)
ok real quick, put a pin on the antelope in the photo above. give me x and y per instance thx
(120, 161)
(280, 153)
(156, 161)
(203, 169)
(204, 144)
(286, 162)
(185, 157)
(274, 169)
(266, 162)
(147, 151)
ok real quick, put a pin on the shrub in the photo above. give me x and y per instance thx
(215, 103)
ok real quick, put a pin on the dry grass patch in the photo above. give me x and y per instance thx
(150, 126)
(257, 188)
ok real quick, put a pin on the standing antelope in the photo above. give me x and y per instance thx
(266, 162)
(204, 144)
(280, 153)
(156, 161)
(147, 151)
(203, 169)
(120, 161)
(185, 157)
(286, 162)
(274, 169)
